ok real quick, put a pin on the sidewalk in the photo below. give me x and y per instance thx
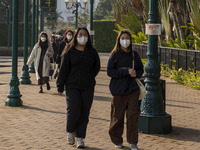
(40, 123)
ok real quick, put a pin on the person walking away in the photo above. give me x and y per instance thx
(53, 59)
(41, 54)
(124, 90)
(80, 65)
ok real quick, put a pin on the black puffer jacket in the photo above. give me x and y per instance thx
(121, 82)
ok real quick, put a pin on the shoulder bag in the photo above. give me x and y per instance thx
(141, 86)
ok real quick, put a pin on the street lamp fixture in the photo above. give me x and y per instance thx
(75, 4)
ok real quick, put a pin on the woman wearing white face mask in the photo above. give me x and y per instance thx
(68, 37)
(41, 54)
(125, 90)
(80, 65)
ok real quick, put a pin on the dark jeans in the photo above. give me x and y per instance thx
(79, 102)
(120, 105)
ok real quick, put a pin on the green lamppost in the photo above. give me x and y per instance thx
(14, 96)
(41, 21)
(32, 69)
(70, 5)
(8, 23)
(153, 118)
(25, 78)
(91, 20)
(37, 20)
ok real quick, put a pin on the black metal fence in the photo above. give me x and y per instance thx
(178, 58)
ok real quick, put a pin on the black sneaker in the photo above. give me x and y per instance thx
(48, 86)
(40, 91)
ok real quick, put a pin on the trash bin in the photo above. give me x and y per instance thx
(162, 85)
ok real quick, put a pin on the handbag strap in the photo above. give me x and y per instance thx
(133, 61)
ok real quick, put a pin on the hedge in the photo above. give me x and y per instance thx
(4, 34)
(104, 36)
(5, 51)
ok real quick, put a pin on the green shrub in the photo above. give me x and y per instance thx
(104, 36)
(4, 34)
(188, 78)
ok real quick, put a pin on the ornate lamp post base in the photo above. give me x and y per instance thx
(14, 94)
(155, 124)
(31, 69)
(25, 78)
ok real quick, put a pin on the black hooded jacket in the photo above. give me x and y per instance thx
(78, 69)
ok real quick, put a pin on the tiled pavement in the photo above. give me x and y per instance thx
(40, 123)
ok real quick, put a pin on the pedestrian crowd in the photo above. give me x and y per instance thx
(72, 60)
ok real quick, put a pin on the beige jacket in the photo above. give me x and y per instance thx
(35, 56)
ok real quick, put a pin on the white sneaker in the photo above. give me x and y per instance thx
(80, 143)
(119, 146)
(71, 138)
(133, 147)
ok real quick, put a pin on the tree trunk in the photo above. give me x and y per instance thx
(178, 8)
(138, 9)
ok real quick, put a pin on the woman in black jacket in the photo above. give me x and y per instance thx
(125, 90)
(67, 39)
(80, 65)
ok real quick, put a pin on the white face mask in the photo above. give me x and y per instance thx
(125, 43)
(69, 37)
(43, 39)
(82, 40)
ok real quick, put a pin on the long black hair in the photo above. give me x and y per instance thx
(74, 42)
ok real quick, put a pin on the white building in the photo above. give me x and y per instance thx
(66, 14)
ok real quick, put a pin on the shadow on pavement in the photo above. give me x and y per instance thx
(179, 106)
(102, 85)
(92, 148)
(187, 102)
(5, 72)
(100, 119)
(40, 109)
(5, 65)
(183, 134)
(102, 98)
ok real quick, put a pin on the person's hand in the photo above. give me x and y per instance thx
(60, 93)
(132, 72)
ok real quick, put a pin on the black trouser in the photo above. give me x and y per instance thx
(79, 102)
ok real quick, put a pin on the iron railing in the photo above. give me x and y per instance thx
(178, 58)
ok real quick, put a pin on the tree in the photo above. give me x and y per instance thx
(83, 19)
(4, 5)
(104, 8)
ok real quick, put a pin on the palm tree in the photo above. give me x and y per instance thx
(178, 9)
(138, 9)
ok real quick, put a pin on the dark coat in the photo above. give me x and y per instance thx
(121, 82)
(78, 69)
(55, 49)
(62, 46)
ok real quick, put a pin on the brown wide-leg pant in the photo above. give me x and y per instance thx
(120, 105)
